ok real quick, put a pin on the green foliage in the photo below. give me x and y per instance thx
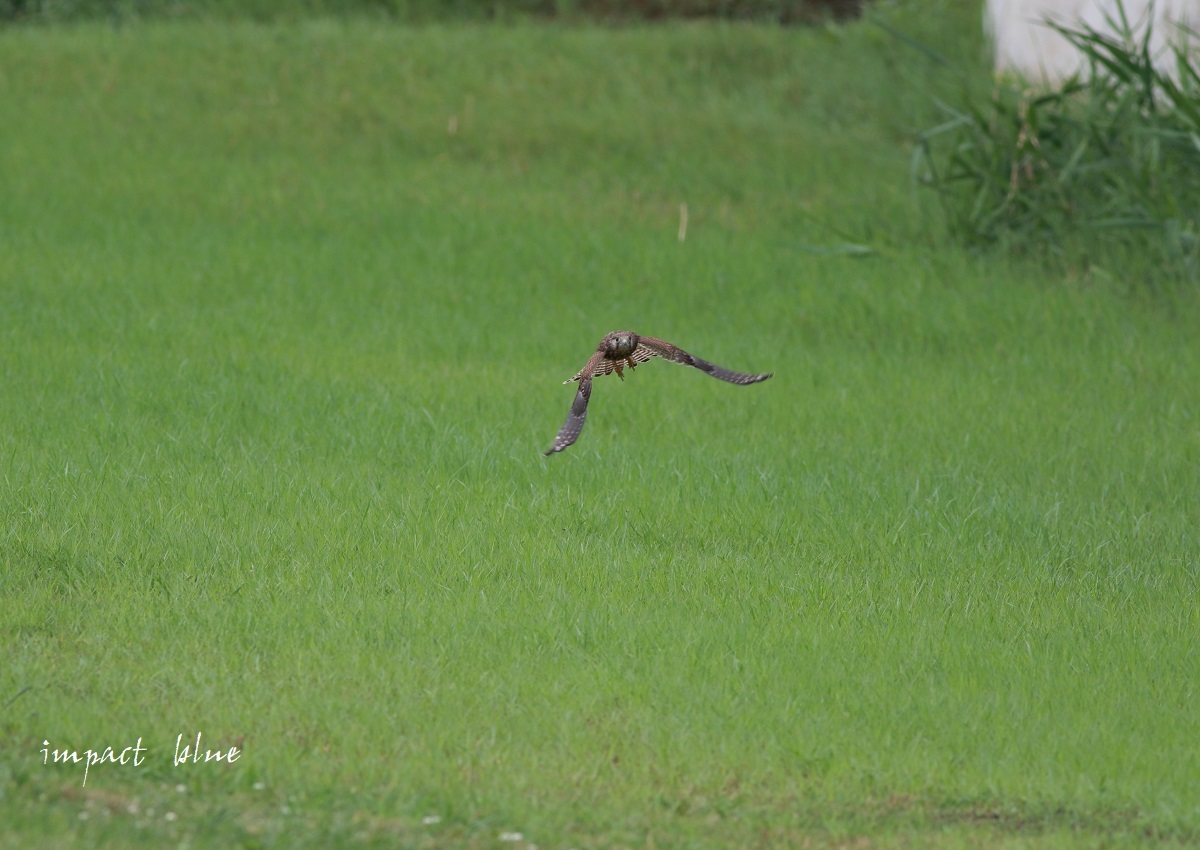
(1108, 164)
(286, 309)
(785, 11)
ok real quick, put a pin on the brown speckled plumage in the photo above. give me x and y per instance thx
(625, 348)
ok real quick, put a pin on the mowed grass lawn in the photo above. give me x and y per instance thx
(285, 313)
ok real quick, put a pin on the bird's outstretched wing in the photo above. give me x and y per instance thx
(676, 354)
(569, 432)
(604, 361)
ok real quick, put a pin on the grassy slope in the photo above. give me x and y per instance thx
(281, 352)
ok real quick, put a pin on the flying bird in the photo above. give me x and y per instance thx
(625, 348)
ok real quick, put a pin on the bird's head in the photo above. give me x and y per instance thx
(620, 343)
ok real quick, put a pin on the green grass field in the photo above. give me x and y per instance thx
(285, 314)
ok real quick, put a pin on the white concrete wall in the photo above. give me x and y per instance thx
(1026, 47)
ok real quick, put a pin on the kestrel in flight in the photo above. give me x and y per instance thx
(625, 348)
